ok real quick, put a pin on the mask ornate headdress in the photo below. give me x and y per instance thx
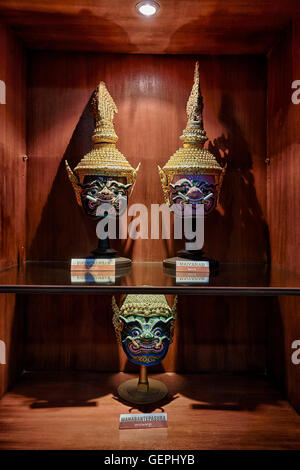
(192, 174)
(144, 326)
(115, 174)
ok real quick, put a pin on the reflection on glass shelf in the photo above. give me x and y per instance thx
(92, 278)
(188, 279)
(231, 279)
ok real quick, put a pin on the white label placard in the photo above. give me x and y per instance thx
(2, 352)
(186, 267)
(143, 420)
(191, 264)
(93, 264)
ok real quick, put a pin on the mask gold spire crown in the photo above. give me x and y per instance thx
(192, 158)
(104, 159)
(103, 108)
(194, 132)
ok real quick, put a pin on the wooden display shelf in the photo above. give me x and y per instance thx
(48, 410)
(149, 277)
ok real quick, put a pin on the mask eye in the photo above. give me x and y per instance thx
(135, 333)
(93, 192)
(157, 332)
(184, 188)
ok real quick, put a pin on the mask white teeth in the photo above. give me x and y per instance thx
(91, 198)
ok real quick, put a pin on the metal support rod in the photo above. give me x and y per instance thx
(143, 384)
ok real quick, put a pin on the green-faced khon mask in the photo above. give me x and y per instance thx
(144, 326)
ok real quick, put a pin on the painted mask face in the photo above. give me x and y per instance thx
(146, 340)
(97, 190)
(193, 190)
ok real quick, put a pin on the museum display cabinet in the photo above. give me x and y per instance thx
(229, 371)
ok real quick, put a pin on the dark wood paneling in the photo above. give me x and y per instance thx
(151, 94)
(12, 333)
(283, 152)
(181, 27)
(12, 149)
(12, 194)
(220, 334)
(284, 201)
(71, 332)
(76, 332)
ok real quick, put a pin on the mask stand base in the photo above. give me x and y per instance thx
(142, 390)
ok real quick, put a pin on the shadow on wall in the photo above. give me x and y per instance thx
(229, 393)
(60, 211)
(241, 221)
(64, 389)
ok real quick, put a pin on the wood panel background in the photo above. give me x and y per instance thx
(12, 193)
(180, 27)
(12, 149)
(151, 94)
(211, 334)
(284, 202)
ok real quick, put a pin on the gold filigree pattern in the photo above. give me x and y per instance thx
(194, 107)
(75, 183)
(105, 159)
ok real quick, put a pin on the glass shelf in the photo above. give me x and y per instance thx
(149, 277)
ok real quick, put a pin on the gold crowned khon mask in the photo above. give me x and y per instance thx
(103, 175)
(192, 175)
